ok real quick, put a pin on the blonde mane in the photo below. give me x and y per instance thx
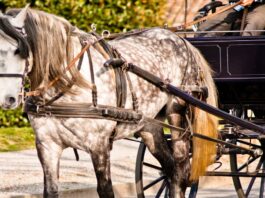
(51, 41)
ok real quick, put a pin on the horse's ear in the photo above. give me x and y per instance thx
(19, 20)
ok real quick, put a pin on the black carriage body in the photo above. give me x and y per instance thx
(239, 69)
(239, 73)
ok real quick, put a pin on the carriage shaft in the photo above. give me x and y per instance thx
(214, 111)
(158, 82)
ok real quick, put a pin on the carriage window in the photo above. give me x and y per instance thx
(246, 59)
(212, 55)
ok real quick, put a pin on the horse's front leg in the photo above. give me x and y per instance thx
(101, 162)
(49, 154)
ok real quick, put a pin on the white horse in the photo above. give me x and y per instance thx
(41, 46)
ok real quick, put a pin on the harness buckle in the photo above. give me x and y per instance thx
(37, 108)
(22, 95)
(48, 114)
(105, 112)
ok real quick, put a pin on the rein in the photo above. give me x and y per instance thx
(188, 24)
(177, 28)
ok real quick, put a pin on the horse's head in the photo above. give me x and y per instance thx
(14, 59)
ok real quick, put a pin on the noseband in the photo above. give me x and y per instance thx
(23, 76)
(14, 75)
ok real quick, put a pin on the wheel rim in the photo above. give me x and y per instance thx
(246, 186)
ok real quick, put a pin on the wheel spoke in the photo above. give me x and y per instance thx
(193, 190)
(252, 159)
(250, 185)
(162, 187)
(167, 191)
(262, 181)
(254, 178)
(152, 166)
(154, 182)
(261, 187)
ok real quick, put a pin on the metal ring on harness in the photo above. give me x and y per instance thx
(105, 34)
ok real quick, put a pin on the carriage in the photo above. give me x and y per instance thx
(60, 125)
(238, 64)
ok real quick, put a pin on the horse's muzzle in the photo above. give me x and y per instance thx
(10, 102)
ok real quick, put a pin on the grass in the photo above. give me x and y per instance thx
(15, 139)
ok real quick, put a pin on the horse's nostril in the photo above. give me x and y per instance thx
(10, 100)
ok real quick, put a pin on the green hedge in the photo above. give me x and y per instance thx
(13, 118)
(112, 15)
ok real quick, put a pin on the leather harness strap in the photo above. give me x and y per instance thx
(81, 110)
(121, 83)
(94, 87)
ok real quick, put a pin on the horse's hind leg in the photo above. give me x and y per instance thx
(49, 156)
(101, 162)
(153, 137)
(157, 145)
(180, 146)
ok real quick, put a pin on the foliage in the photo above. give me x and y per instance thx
(13, 118)
(112, 15)
(14, 139)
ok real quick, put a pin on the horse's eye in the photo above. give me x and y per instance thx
(17, 51)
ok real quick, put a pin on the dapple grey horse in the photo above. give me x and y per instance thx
(42, 46)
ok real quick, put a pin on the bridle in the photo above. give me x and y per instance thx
(23, 76)
(18, 75)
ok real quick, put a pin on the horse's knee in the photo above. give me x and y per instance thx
(180, 150)
(149, 141)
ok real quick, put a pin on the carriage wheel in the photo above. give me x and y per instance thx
(149, 177)
(250, 183)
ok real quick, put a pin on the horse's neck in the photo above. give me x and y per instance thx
(105, 84)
